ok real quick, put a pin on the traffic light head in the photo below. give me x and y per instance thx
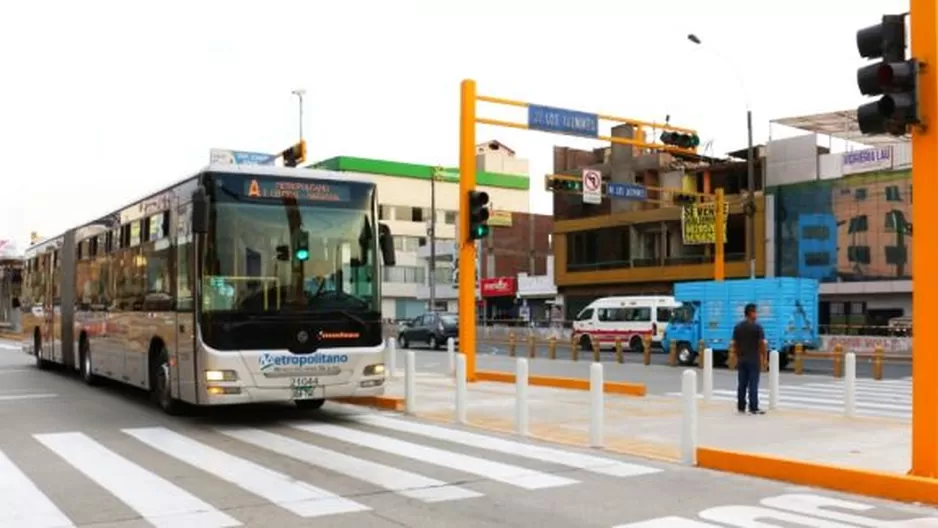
(557, 184)
(478, 214)
(294, 155)
(301, 246)
(677, 139)
(894, 77)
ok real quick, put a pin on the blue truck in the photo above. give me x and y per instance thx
(787, 309)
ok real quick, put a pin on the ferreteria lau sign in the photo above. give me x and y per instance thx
(790, 511)
(866, 160)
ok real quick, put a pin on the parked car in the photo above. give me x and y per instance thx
(431, 329)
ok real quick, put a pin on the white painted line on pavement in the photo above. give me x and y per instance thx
(10, 347)
(22, 504)
(513, 475)
(15, 371)
(669, 522)
(399, 481)
(595, 464)
(156, 499)
(11, 397)
(285, 491)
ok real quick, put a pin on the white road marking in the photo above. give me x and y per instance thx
(595, 464)
(513, 475)
(157, 500)
(298, 497)
(22, 504)
(399, 481)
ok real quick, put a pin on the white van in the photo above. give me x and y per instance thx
(628, 318)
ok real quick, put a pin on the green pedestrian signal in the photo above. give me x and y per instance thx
(478, 214)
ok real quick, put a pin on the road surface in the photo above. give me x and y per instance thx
(73, 455)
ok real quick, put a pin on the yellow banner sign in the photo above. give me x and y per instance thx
(698, 223)
(500, 219)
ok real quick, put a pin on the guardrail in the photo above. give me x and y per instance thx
(526, 342)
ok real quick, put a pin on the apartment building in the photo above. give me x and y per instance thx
(634, 247)
(843, 218)
(404, 194)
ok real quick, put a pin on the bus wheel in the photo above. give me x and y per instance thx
(160, 390)
(310, 405)
(84, 355)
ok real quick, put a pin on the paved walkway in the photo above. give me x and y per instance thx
(650, 426)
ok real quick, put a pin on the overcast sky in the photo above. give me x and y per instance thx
(103, 101)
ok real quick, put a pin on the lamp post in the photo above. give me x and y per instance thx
(750, 161)
(299, 93)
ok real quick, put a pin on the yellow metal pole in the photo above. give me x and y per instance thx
(719, 270)
(467, 249)
(923, 19)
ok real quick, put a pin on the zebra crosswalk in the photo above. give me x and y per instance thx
(881, 399)
(174, 477)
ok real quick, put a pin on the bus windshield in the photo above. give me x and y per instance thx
(254, 265)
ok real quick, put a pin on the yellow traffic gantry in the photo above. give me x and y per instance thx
(545, 119)
(923, 15)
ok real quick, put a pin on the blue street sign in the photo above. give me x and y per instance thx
(560, 120)
(239, 157)
(627, 191)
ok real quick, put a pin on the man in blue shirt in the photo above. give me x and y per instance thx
(747, 337)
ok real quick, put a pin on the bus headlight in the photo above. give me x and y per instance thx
(221, 375)
(374, 370)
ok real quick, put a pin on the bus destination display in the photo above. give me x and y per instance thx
(312, 191)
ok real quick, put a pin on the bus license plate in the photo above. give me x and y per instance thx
(304, 388)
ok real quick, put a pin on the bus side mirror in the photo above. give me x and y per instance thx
(199, 212)
(387, 245)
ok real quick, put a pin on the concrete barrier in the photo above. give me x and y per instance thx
(689, 417)
(521, 397)
(390, 359)
(627, 389)
(410, 383)
(461, 390)
(850, 480)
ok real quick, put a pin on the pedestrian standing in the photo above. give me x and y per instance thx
(747, 337)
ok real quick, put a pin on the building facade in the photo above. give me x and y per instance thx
(844, 219)
(404, 194)
(634, 247)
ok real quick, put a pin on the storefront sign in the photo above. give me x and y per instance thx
(698, 223)
(499, 287)
(867, 160)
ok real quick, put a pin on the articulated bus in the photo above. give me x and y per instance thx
(240, 284)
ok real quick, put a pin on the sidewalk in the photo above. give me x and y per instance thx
(651, 426)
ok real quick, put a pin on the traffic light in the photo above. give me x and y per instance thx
(570, 184)
(301, 245)
(894, 77)
(677, 139)
(294, 155)
(478, 214)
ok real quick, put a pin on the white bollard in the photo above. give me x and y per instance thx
(521, 397)
(451, 355)
(596, 405)
(390, 361)
(850, 384)
(708, 374)
(410, 382)
(773, 379)
(461, 389)
(689, 417)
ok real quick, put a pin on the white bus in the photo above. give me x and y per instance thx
(240, 284)
(628, 319)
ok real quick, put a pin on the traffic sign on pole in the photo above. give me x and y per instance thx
(592, 186)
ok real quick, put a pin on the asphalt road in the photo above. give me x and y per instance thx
(73, 455)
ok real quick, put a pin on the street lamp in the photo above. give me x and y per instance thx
(299, 93)
(750, 162)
